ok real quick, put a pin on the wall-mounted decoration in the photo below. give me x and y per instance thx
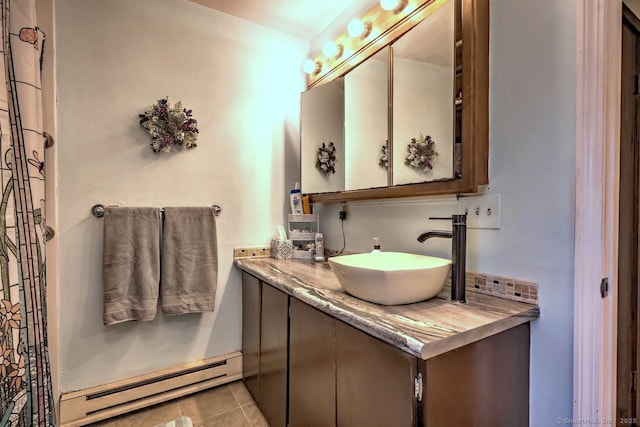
(326, 159)
(384, 155)
(421, 153)
(169, 126)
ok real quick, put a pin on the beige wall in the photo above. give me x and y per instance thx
(243, 82)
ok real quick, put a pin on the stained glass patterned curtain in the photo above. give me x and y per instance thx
(25, 380)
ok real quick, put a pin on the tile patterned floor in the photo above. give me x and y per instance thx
(229, 405)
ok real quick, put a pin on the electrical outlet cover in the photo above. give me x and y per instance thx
(482, 211)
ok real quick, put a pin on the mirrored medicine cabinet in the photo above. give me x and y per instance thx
(407, 113)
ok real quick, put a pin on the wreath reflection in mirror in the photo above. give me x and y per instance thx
(421, 153)
(326, 159)
(384, 155)
(169, 125)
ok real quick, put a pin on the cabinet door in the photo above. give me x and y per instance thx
(483, 383)
(375, 381)
(273, 356)
(251, 304)
(312, 367)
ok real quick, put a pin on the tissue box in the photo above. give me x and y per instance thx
(282, 249)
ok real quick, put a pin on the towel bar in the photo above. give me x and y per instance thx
(98, 210)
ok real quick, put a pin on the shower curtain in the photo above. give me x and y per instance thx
(25, 380)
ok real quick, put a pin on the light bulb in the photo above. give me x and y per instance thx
(356, 28)
(309, 66)
(389, 4)
(329, 49)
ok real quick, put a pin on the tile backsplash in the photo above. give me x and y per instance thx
(505, 287)
(500, 286)
(257, 252)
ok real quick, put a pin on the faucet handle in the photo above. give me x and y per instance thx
(448, 218)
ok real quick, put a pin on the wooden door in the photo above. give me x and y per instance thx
(375, 381)
(312, 367)
(273, 355)
(251, 305)
(627, 340)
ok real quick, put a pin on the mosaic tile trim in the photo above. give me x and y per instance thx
(257, 252)
(504, 287)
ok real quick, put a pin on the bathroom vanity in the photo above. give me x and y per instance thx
(314, 355)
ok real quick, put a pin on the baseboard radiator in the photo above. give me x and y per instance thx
(87, 406)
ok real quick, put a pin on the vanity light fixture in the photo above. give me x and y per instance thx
(310, 66)
(393, 5)
(357, 28)
(331, 50)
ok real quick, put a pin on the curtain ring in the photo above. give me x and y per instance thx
(48, 140)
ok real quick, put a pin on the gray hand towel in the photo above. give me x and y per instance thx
(131, 264)
(189, 260)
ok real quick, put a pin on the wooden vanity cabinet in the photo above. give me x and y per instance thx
(341, 376)
(312, 367)
(265, 317)
(485, 383)
(375, 381)
(274, 355)
(251, 309)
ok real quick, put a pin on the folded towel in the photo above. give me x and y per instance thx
(131, 264)
(189, 260)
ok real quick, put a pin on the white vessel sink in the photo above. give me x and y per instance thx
(391, 278)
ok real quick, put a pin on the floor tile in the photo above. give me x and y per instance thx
(228, 405)
(255, 416)
(151, 416)
(233, 418)
(241, 393)
(207, 404)
(111, 422)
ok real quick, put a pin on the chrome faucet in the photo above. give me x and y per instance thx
(458, 236)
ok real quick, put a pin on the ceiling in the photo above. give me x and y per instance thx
(303, 19)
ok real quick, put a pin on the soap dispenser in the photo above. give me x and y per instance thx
(376, 245)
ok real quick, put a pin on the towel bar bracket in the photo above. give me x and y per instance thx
(98, 210)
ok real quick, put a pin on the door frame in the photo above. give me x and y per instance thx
(598, 42)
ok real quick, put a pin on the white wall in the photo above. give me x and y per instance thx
(243, 81)
(532, 143)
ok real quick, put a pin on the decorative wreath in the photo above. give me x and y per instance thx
(170, 125)
(326, 159)
(384, 156)
(421, 153)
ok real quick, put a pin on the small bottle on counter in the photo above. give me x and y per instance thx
(376, 245)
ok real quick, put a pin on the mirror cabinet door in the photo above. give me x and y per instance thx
(366, 117)
(424, 94)
(322, 148)
(408, 88)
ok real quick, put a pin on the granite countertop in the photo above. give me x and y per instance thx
(425, 329)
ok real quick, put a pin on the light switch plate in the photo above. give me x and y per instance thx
(482, 211)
